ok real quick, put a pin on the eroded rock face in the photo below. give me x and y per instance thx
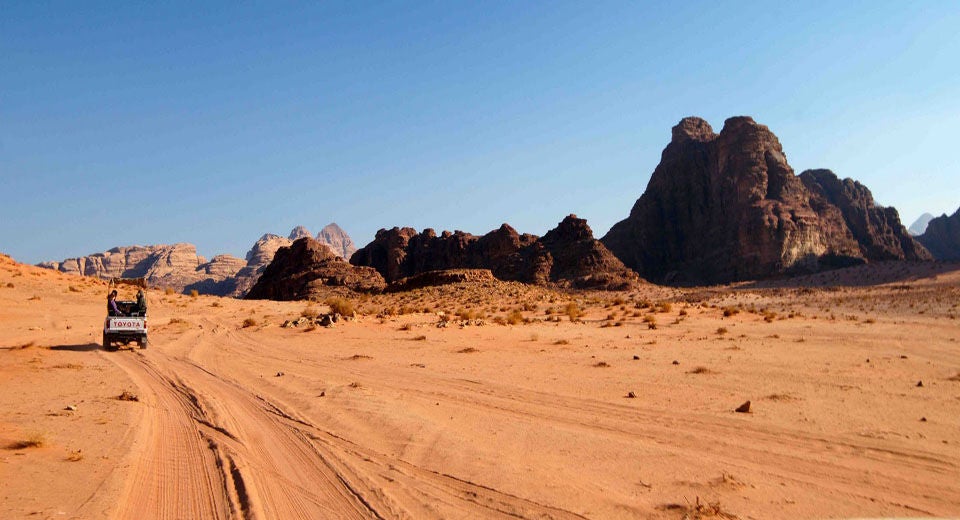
(176, 266)
(583, 262)
(307, 267)
(877, 229)
(725, 207)
(942, 237)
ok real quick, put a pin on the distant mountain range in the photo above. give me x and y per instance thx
(179, 267)
(720, 207)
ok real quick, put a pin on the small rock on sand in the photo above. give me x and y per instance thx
(743, 408)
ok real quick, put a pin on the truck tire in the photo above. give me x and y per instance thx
(143, 342)
(106, 342)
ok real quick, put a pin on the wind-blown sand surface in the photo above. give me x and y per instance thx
(368, 420)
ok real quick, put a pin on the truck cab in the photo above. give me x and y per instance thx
(126, 320)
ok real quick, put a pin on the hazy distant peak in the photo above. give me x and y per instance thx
(919, 226)
(337, 239)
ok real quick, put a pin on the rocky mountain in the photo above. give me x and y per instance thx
(567, 255)
(942, 237)
(308, 268)
(726, 207)
(876, 228)
(180, 268)
(919, 226)
(337, 239)
(263, 251)
(176, 266)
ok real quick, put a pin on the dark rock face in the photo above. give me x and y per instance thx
(445, 277)
(942, 237)
(725, 207)
(877, 229)
(305, 268)
(567, 255)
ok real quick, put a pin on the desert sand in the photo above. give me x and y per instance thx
(853, 378)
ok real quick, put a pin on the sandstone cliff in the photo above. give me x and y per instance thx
(567, 255)
(725, 207)
(176, 266)
(942, 237)
(308, 268)
(877, 229)
(337, 239)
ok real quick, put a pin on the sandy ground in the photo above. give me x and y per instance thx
(393, 417)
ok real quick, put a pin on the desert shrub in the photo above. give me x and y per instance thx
(420, 338)
(664, 307)
(683, 312)
(216, 304)
(73, 288)
(561, 342)
(406, 326)
(611, 316)
(769, 316)
(572, 310)
(722, 330)
(310, 312)
(341, 306)
(515, 317)
(168, 291)
(34, 440)
(730, 311)
(194, 293)
(249, 322)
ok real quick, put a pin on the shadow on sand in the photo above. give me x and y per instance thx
(85, 347)
(877, 273)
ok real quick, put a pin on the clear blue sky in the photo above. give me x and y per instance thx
(133, 123)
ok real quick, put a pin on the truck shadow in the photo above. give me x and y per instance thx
(85, 347)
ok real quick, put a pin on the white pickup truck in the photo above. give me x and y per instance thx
(126, 321)
(124, 329)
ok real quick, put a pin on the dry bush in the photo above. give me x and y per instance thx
(194, 293)
(75, 456)
(683, 312)
(216, 304)
(168, 291)
(561, 342)
(406, 327)
(34, 440)
(175, 321)
(664, 307)
(341, 306)
(722, 330)
(34, 298)
(468, 350)
(730, 311)
(74, 288)
(869, 320)
(572, 310)
(515, 317)
(9, 285)
(420, 338)
(701, 370)
(310, 312)
(249, 322)
(602, 364)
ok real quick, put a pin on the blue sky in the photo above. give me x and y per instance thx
(131, 123)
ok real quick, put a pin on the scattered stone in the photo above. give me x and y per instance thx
(636, 358)
(675, 362)
(279, 374)
(923, 419)
(71, 408)
(323, 394)
(127, 396)
(903, 356)
(743, 408)
(919, 384)
(631, 395)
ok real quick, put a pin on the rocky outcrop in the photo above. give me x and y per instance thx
(942, 237)
(337, 239)
(263, 251)
(443, 277)
(308, 268)
(567, 255)
(176, 266)
(726, 207)
(877, 229)
(919, 226)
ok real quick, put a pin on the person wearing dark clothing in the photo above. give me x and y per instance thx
(141, 303)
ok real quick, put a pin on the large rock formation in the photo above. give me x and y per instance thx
(942, 237)
(180, 268)
(262, 252)
(726, 207)
(176, 266)
(308, 268)
(567, 255)
(877, 229)
(337, 239)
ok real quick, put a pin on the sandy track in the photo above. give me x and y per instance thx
(211, 448)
